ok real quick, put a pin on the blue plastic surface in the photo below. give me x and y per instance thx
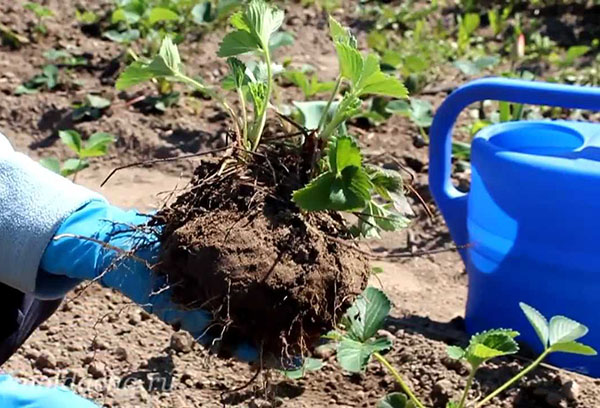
(532, 217)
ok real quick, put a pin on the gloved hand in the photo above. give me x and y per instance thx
(16, 395)
(54, 234)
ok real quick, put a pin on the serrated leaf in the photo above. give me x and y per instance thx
(393, 400)
(97, 145)
(258, 92)
(351, 192)
(354, 355)
(158, 14)
(489, 344)
(238, 71)
(73, 166)
(134, 74)
(377, 217)
(310, 364)
(538, 321)
(238, 21)
(72, 139)
(51, 163)
(384, 85)
(340, 34)
(344, 152)
(564, 330)
(170, 54)
(367, 314)
(574, 347)
(236, 43)
(455, 352)
(386, 181)
(351, 62)
(263, 20)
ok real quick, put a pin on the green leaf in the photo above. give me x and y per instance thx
(393, 400)
(385, 85)
(340, 34)
(158, 14)
(470, 22)
(538, 321)
(351, 62)
(377, 217)
(134, 74)
(386, 181)
(51, 163)
(353, 355)
(258, 92)
(575, 52)
(238, 71)
(51, 74)
(201, 13)
(351, 192)
(489, 344)
(263, 20)
(122, 37)
(344, 152)
(316, 195)
(72, 139)
(574, 347)
(73, 166)
(415, 64)
(312, 111)
(97, 101)
(455, 352)
(97, 145)
(280, 39)
(367, 314)
(399, 106)
(238, 20)
(310, 364)
(25, 90)
(564, 330)
(170, 54)
(128, 16)
(421, 112)
(236, 43)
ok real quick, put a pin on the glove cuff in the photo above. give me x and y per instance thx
(34, 202)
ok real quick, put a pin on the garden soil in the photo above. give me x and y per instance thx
(107, 349)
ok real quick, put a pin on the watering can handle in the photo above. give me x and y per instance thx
(453, 203)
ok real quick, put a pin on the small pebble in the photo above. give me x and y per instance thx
(121, 354)
(181, 342)
(45, 360)
(570, 390)
(97, 369)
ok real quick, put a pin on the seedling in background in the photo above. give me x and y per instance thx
(419, 111)
(41, 14)
(467, 25)
(357, 342)
(65, 57)
(340, 181)
(47, 80)
(91, 108)
(96, 146)
(308, 84)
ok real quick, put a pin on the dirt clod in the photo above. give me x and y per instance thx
(97, 369)
(571, 390)
(45, 360)
(181, 342)
(236, 245)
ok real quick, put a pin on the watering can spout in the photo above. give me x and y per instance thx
(453, 203)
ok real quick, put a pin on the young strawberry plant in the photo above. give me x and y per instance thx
(96, 146)
(281, 192)
(357, 342)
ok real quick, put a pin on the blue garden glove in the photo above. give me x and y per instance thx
(115, 247)
(16, 395)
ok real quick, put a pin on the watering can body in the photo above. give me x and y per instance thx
(530, 224)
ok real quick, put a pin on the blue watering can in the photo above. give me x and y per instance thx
(531, 221)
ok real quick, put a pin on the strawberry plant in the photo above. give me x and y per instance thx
(357, 342)
(91, 108)
(41, 13)
(97, 145)
(340, 181)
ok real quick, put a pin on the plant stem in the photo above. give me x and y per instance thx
(516, 378)
(399, 379)
(463, 399)
(258, 130)
(336, 89)
(201, 87)
(242, 98)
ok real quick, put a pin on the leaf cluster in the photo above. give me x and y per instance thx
(48, 79)
(97, 145)
(91, 108)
